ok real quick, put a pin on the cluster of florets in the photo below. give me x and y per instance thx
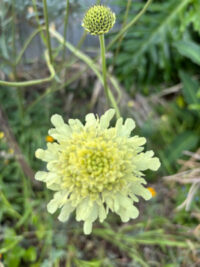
(98, 20)
(95, 169)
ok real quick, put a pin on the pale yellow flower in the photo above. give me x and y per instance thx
(94, 169)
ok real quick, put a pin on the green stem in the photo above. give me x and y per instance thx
(34, 2)
(89, 62)
(53, 90)
(128, 5)
(109, 95)
(33, 82)
(47, 30)
(9, 206)
(78, 46)
(13, 35)
(104, 69)
(82, 39)
(65, 25)
(130, 24)
(19, 90)
(28, 41)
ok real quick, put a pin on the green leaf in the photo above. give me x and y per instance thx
(30, 254)
(156, 34)
(92, 263)
(146, 49)
(174, 151)
(194, 107)
(190, 89)
(189, 49)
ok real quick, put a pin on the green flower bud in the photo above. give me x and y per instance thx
(98, 20)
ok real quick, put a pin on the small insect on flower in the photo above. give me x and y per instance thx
(98, 20)
(95, 169)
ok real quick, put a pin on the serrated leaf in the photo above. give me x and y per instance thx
(189, 49)
(174, 151)
(190, 89)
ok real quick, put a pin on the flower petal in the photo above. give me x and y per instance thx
(102, 213)
(90, 120)
(66, 210)
(130, 212)
(146, 161)
(87, 227)
(41, 176)
(83, 210)
(75, 125)
(138, 189)
(126, 209)
(51, 153)
(61, 131)
(52, 206)
(128, 127)
(58, 201)
(118, 126)
(57, 120)
(137, 141)
(106, 118)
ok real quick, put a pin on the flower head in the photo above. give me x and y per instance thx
(98, 20)
(94, 168)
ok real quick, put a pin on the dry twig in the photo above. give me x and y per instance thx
(190, 174)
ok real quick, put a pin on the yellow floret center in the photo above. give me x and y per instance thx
(92, 163)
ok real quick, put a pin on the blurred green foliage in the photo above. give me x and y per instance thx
(159, 42)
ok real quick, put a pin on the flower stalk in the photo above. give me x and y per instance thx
(98, 20)
(65, 25)
(104, 69)
(47, 30)
(130, 24)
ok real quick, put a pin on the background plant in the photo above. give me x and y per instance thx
(153, 45)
